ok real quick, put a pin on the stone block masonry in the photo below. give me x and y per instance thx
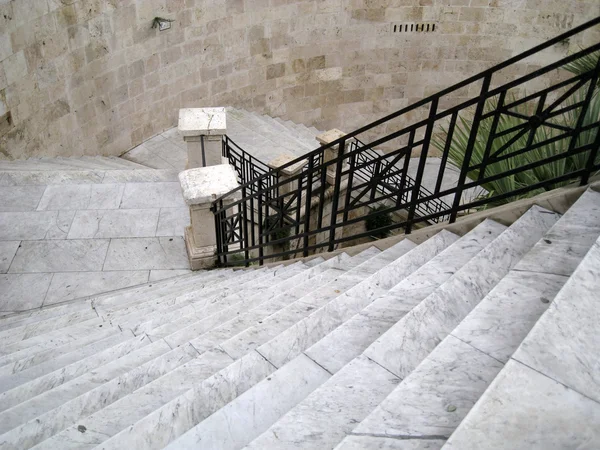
(86, 77)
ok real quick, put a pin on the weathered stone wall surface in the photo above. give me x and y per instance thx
(92, 76)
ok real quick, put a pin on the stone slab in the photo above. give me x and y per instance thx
(524, 409)
(69, 285)
(565, 344)
(8, 249)
(20, 292)
(146, 254)
(35, 225)
(203, 185)
(202, 121)
(156, 275)
(172, 221)
(20, 198)
(45, 177)
(114, 223)
(60, 256)
(152, 195)
(81, 196)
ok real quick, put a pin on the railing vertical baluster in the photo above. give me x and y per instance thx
(245, 227)
(491, 137)
(260, 224)
(307, 206)
(403, 191)
(322, 192)
(336, 194)
(376, 176)
(349, 185)
(447, 145)
(215, 208)
(485, 86)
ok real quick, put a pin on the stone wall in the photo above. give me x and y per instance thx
(92, 76)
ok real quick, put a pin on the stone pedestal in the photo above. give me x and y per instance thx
(203, 130)
(286, 173)
(202, 186)
(332, 152)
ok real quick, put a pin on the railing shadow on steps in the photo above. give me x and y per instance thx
(278, 220)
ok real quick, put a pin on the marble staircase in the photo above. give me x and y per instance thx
(385, 349)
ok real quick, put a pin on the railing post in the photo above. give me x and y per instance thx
(485, 86)
(330, 153)
(286, 173)
(336, 194)
(422, 160)
(203, 130)
(200, 187)
(594, 150)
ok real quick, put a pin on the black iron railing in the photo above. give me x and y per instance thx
(515, 136)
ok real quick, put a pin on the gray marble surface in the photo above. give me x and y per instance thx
(81, 196)
(20, 198)
(156, 275)
(332, 410)
(256, 409)
(565, 344)
(21, 292)
(69, 285)
(436, 396)
(146, 254)
(8, 250)
(45, 177)
(504, 317)
(524, 409)
(386, 443)
(158, 429)
(152, 195)
(172, 221)
(116, 223)
(35, 225)
(410, 340)
(60, 256)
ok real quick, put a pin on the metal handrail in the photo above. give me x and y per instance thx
(365, 178)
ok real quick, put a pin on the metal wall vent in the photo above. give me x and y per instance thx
(424, 27)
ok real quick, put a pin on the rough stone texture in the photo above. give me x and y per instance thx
(204, 185)
(89, 77)
(202, 121)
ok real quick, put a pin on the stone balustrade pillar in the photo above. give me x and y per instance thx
(331, 153)
(200, 187)
(203, 130)
(286, 173)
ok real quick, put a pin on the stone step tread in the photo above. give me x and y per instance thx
(324, 427)
(300, 137)
(326, 318)
(414, 336)
(357, 333)
(250, 308)
(548, 385)
(275, 129)
(122, 413)
(290, 319)
(52, 177)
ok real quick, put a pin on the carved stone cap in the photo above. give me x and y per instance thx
(202, 121)
(204, 185)
(284, 159)
(330, 136)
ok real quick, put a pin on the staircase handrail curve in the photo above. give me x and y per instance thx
(423, 102)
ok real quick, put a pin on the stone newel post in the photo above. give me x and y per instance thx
(332, 152)
(200, 188)
(203, 130)
(287, 173)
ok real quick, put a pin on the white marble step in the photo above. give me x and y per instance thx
(328, 317)
(547, 394)
(72, 330)
(331, 411)
(228, 383)
(55, 410)
(410, 340)
(286, 323)
(249, 309)
(266, 129)
(199, 303)
(124, 412)
(191, 375)
(290, 131)
(126, 164)
(52, 177)
(265, 388)
(356, 334)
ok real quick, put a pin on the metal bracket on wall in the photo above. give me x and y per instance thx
(423, 27)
